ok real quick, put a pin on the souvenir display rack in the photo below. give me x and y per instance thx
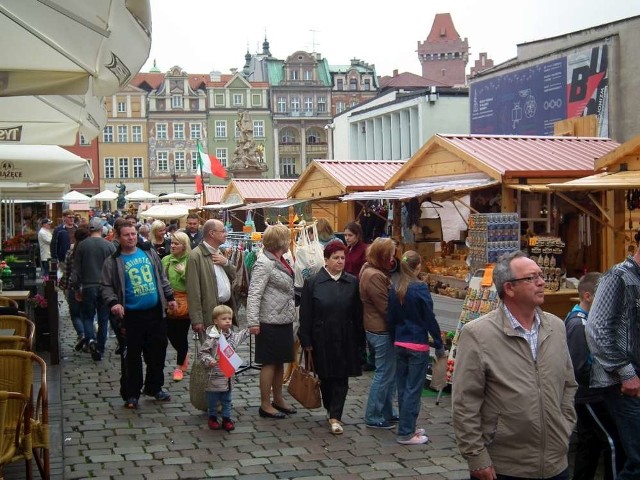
(490, 236)
(547, 252)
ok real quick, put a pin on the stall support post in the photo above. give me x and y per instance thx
(396, 226)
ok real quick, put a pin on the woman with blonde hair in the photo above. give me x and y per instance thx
(175, 266)
(374, 293)
(159, 242)
(325, 232)
(270, 315)
(411, 321)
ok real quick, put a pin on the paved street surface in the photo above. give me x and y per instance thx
(100, 439)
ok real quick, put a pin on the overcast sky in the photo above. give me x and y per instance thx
(205, 35)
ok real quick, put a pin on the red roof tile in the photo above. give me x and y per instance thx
(153, 79)
(360, 174)
(516, 156)
(263, 189)
(442, 29)
(408, 80)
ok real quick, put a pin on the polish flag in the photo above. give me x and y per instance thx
(228, 360)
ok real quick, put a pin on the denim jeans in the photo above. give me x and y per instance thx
(74, 312)
(224, 398)
(411, 368)
(92, 303)
(625, 411)
(382, 390)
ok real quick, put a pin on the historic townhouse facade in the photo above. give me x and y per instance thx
(177, 121)
(352, 85)
(122, 147)
(227, 96)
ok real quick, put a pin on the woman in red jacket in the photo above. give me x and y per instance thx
(356, 249)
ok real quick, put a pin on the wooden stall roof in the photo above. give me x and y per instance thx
(331, 178)
(504, 157)
(213, 193)
(628, 152)
(257, 190)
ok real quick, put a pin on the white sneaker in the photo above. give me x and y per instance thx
(419, 431)
(415, 440)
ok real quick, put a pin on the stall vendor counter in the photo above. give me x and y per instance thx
(561, 302)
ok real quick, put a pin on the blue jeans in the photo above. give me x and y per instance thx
(411, 369)
(381, 393)
(74, 312)
(625, 411)
(224, 398)
(92, 303)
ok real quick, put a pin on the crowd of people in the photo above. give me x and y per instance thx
(520, 372)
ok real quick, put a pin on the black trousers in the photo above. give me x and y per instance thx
(146, 337)
(597, 434)
(178, 333)
(334, 393)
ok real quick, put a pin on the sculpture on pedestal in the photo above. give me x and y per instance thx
(247, 157)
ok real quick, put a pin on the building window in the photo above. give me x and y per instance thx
(163, 161)
(353, 84)
(178, 131)
(196, 131)
(107, 134)
(123, 167)
(194, 161)
(176, 101)
(367, 84)
(287, 136)
(122, 107)
(313, 137)
(258, 128)
(308, 104)
(256, 99)
(86, 172)
(123, 134)
(109, 168)
(340, 84)
(221, 128)
(161, 131)
(137, 167)
(179, 161)
(293, 75)
(295, 104)
(339, 107)
(287, 167)
(238, 99)
(136, 133)
(444, 72)
(221, 154)
(236, 132)
(322, 104)
(84, 141)
(282, 104)
(308, 75)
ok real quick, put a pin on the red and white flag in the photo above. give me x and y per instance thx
(228, 359)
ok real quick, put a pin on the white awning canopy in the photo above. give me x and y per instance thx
(272, 204)
(449, 185)
(28, 164)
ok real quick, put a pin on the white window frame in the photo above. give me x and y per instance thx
(83, 141)
(295, 104)
(222, 155)
(178, 131)
(109, 167)
(221, 128)
(308, 104)
(238, 100)
(122, 107)
(258, 128)
(287, 167)
(162, 131)
(194, 160)
(162, 161)
(123, 167)
(282, 104)
(138, 167)
(340, 107)
(322, 104)
(86, 172)
(179, 162)
(308, 75)
(136, 133)
(176, 101)
(123, 134)
(195, 131)
(107, 134)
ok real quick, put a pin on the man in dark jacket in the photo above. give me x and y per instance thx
(193, 230)
(596, 429)
(63, 236)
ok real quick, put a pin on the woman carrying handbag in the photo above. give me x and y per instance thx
(331, 330)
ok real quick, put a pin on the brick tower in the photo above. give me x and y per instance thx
(444, 55)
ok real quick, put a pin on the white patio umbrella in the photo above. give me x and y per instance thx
(76, 196)
(165, 212)
(50, 119)
(140, 196)
(177, 196)
(27, 164)
(105, 195)
(56, 47)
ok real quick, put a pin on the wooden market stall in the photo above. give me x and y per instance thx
(499, 174)
(324, 181)
(613, 195)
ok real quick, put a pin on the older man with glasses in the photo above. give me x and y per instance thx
(514, 385)
(210, 276)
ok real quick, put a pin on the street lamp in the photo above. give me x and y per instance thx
(174, 177)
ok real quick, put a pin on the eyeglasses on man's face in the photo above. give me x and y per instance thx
(529, 279)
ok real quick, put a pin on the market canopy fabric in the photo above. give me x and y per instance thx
(271, 204)
(41, 164)
(177, 196)
(446, 185)
(165, 212)
(105, 195)
(50, 119)
(58, 48)
(140, 196)
(76, 196)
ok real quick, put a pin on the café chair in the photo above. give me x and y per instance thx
(22, 327)
(14, 342)
(8, 302)
(13, 426)
(31, 435)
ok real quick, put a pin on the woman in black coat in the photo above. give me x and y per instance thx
(331, 329)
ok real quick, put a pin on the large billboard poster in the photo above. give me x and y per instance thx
(530, 100)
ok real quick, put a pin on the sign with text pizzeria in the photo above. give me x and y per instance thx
(528, 101)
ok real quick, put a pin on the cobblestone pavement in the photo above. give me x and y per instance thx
(103, 440)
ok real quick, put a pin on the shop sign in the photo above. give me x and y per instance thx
(11, 134)
(9, 171)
